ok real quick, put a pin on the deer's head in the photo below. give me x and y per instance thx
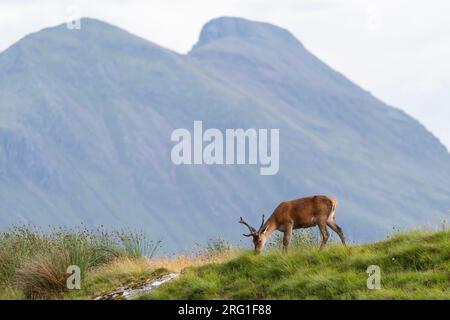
(259, 236)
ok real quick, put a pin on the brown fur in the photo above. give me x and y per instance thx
(300, 213)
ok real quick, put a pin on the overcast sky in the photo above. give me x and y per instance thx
(399, 50)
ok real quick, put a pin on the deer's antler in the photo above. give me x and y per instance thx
(262, 224)
(252, 230)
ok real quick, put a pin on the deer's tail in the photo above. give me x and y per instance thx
(333, 209)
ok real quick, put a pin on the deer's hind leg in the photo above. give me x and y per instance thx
(333, 225)
(325, 234)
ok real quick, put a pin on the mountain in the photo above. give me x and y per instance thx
(86, 118)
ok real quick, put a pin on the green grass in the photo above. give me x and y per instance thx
(33, 263)
(414, 265)
(105, 279)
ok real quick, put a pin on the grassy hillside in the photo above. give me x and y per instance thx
(414, 265)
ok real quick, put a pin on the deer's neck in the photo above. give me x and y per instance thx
(270, 225)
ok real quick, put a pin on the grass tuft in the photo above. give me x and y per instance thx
(36, 262)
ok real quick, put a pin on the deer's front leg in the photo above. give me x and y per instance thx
(287, 238)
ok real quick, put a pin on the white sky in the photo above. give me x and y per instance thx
(399, 49)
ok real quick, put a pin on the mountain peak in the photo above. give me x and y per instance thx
(233, 27)
(92, 33)
(86, 25)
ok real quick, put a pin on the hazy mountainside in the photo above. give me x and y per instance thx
(86, 117)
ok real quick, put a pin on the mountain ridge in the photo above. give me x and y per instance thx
(225, 26)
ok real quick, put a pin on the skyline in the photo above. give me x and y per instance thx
(376, 44)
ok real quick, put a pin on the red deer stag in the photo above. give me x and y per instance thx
(301, 213)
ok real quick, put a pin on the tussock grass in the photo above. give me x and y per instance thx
(35, 263)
